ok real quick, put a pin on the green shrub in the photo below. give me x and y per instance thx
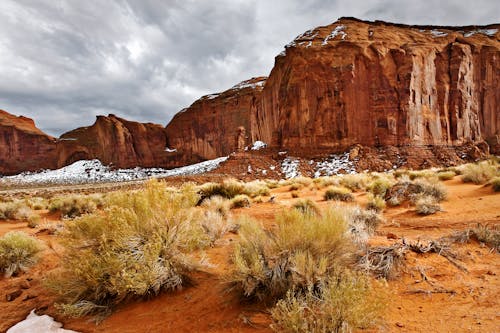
(33, 220)
(298, 254)
(446, 175)
(14, 210)
(375, 203)
(427, 205)
(380, 186)
(136, 247)
(306, 206)
(495, 183)
(345, 302)
(479, 173)
(18, 252)
(239, 201)
(338, 194)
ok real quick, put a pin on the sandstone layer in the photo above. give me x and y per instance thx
(218, 124)
(23, 147)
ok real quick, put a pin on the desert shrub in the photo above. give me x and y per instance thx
(137, 246)
(361, 223)
(298, 254)
(306, 206)
(338, 194)
(295, 194)
(405, 190)
(327, 181)
(345, 302)
(305, 181)
(256, 188)
(479, 173)
(33, 220)
(258, 199)
(446, 175)
(427, 205)
(215, 225)
(295, 187)
(14, 210)
(432, 189)
(217, 204)
(36, 203)
(228, 189)
(489, 235)
(416, 174)
(271, 183)
(354, 182)
(394, 201)
(380, 186)
(376, 203)
(495, 183)
(239, 201)
(76, 205)
(18, 252)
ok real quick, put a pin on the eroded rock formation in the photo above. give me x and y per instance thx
(217, 125)
(23, 147)
(116, 141)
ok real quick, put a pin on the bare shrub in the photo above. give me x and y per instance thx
(427, 205)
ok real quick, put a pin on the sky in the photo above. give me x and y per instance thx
(64, 62)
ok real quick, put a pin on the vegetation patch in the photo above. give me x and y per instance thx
(338, 194)
(18, 251)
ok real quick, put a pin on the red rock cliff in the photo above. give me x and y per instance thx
(211, 126)
(23, 147)
(116, 141)
(379, 84)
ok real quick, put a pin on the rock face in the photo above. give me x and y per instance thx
(116, 141)
(382, 84)
(217, 125)
(23, 147)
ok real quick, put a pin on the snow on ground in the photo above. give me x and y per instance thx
(93, 171)
(290, 167)
(39, 324)
(249, 84)
(487, 32)
(258, 145)
(437, 33)
(339, 30)
(333, 165)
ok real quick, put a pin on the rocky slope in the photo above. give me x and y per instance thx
(217, 124)
(23, 147)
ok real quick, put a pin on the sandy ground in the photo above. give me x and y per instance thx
(442, 299)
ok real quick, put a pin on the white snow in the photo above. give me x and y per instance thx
(211, 96)
(170, 150)
(258, 145)
(333, 165)
(290, 167)
(248, 84)
(93, 171)
(339, 30)
(39, 324)
(487, 32)
(437, 33)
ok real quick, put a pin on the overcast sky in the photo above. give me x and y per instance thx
(63, 62)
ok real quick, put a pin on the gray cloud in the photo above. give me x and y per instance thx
(63, 62)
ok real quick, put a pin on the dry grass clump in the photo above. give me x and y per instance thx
(256, 188)
(305, 181)
(72, 206)
(361, 222)
(338, 194)
(14, 210)
(228, 189)
(485, 234)
(217, 204)
(34, 220)
(495, 183)
(239, 201)
(18, 252)
(481, 172)
(298, 254)
(294, 194)
(406, 190)
(295, 187)
(345, 302)
(427, 205)
(375, 202)
(137, 246)
(355, 182)
(446, 175)
(306, 206)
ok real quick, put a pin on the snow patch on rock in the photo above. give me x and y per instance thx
(487, 32)
(333, 165)
(39, 324)
(93, 171)
(339, 30)
(258, 145)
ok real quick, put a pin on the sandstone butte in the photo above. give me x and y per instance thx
(412, 90)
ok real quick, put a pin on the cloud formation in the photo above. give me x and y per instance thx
(63, 62)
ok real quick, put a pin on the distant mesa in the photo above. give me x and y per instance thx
(413, 93)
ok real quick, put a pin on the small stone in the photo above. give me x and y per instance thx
(13, 295)
(398, 324)
(28, 297)
(491, 273)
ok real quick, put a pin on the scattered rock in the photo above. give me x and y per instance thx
(13, 295)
